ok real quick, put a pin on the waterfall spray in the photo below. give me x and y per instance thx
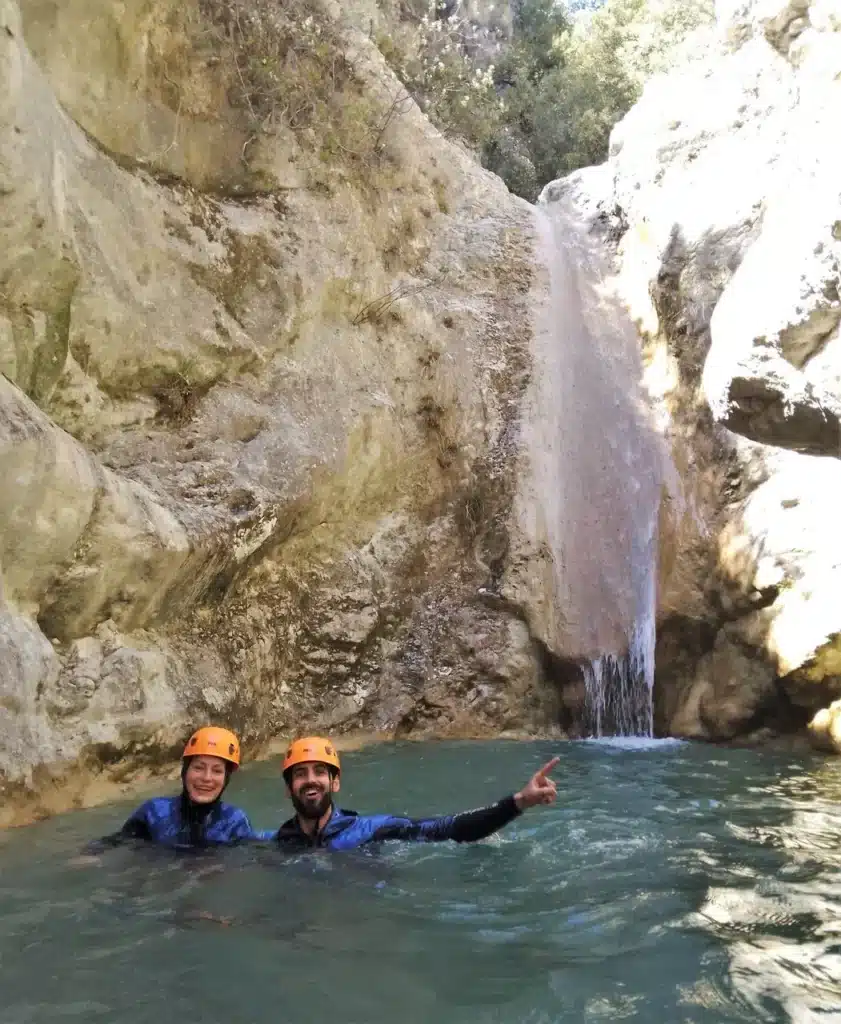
(598, 465)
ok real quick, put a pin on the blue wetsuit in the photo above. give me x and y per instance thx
(179, 823)
(346, 829)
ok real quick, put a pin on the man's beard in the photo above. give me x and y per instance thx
(313, 810)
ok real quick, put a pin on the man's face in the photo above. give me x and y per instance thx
(311, 788)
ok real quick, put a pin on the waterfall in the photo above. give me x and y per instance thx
(599, 467)
(619, 687)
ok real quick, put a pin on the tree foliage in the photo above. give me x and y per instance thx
(544, 100)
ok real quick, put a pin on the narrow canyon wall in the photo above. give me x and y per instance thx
(721, 204)
(264, 337)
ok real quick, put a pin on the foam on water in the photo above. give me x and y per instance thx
(634, 742)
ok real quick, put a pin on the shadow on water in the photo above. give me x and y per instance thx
(669, 883)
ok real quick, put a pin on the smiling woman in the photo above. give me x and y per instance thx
(196, 818)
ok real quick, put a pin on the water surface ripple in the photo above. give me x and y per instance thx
(671, 883)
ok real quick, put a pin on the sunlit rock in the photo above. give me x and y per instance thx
(259, 420)
(724, 204)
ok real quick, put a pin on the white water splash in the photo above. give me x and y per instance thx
(635, 743)
(620, 687)
(599, 467)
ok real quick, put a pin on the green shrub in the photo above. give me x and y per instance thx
(558, 85)
(289, 69)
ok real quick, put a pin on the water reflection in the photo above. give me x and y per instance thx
(776, 911)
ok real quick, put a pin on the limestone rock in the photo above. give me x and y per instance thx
(757, 263)
(731, 691)
(825, 728)
(722, 212)
(261, 398)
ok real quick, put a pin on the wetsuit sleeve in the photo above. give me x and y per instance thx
(467, 827)
(242, 829)
(136, 827)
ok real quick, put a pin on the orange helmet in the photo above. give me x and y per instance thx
(213, 742)
(311, 748)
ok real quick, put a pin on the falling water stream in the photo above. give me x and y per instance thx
(600, 465)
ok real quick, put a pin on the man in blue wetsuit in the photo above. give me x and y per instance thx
(312, 774)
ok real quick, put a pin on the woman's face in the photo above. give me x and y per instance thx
(204, 779)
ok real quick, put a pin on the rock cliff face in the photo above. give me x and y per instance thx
(273, 398)
(722, 201)
(264, 338)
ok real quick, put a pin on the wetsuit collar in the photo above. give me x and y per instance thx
(196, 817)
(338, 821)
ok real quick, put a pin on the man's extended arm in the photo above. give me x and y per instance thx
(470, 826)
(467, 827)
